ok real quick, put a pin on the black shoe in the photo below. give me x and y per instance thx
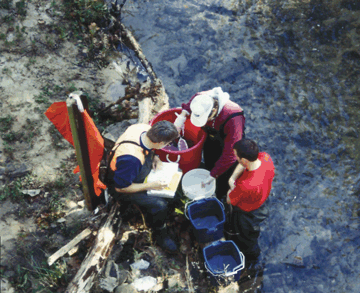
(166, 243)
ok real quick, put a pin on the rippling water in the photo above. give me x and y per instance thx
(294, 67)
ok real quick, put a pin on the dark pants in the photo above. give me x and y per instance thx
(213, 148)
(222, 183)
(244, 229)
(154, 208)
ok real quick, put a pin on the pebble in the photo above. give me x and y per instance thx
(13, 170)
(31, 192)
(125, 288)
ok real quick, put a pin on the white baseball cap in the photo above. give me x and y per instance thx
(201, 107)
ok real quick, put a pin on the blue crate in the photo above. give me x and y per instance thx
(223, 261)
(207, 217)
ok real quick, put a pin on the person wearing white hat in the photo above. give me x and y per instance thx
(224, 122)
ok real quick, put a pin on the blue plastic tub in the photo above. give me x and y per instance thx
(207, 217)
(224, 262)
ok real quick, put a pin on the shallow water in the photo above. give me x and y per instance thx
(294, 67)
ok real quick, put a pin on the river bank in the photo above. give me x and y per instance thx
(42, 60)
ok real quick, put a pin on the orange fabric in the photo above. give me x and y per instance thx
(132, 133)
(95, 144)
(58, 115)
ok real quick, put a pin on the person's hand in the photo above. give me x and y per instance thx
(207, 181)
(156, 164)
(180, 120)
(157, 185)
(231, 183)
(184, 113)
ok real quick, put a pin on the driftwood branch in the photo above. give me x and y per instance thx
(95, 260)
(133, 44)
(145, 110)
(147, 106)
(62, 251)
(108, 107)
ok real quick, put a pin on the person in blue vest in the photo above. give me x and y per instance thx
(224, 122)
(132, 161)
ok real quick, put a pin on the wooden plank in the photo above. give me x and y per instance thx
(96, 258)
(63, 250)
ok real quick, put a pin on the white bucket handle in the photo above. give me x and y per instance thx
(220, 274)
(199, 198)
(242, 265)
(206, 267)
(189, 202)
(177, 161)
(185, 209)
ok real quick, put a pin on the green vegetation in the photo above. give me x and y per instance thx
(183, 199)
(53, 91)
(20, 32)
(72, 88)
(85, 12)
(9, 137)
(8, 149)
(26, 135)
(12, 191)
(62, 32)
(6, 123)
(5, 4)
(21, 7)
(6, 71)
(9, 19)
(82, 21)
(32, 272)
(47, 92)
(31, 61)
(30, 131)
(42, 99)
(87, 19)
(57, 140)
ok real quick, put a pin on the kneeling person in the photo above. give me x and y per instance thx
(132, 162)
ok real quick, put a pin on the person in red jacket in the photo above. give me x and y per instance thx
(224, 122)
(250, 186)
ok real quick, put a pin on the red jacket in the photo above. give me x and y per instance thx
(252, 188)
(233, 130)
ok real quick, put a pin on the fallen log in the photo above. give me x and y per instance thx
(62, 251)
(149, 105)
(131, 42)
(95, 260)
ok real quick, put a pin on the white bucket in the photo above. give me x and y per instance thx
(191, 184)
